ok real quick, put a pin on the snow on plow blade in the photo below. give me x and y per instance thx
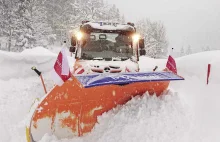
(72, 109)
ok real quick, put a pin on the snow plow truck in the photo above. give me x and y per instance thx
(105, 74)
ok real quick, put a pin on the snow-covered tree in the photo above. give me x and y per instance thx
(182, 52)
(94, 9)
(1, 18)
(32, 22)
(114, 14)
(60, 15)
(154, 33)
(67, 15)
(189, 50)
(122, 19)
(21, 21)
(39, 25)
(35, 27)
(207, 48)
(10, 21)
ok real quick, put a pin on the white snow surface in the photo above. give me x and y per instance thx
(18, 65)
(188, 112)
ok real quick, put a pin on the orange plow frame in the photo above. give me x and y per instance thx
(84, 105)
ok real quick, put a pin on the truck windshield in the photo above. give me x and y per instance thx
(107, 46)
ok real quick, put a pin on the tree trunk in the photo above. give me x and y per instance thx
(9, 41)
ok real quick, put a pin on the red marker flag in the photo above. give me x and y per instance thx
(171, 65)
(208, 73)
(61, 70)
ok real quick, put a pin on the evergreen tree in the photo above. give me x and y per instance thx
(189, 50)
(10, 21)
(32, 22)
(154, 34)
(35, 28)
(114, 14)
(122, 19)
(207, 48)
(182, 53)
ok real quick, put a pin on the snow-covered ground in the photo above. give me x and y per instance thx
(190, 112)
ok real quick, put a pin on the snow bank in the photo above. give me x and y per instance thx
(16, 97)
(194, 65)
(18, 65)
(197, 65)
(202, 99)
(148, 64)
(37, 51)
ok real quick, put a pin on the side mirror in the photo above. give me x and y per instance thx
(142, 52)
(72, 49)
(73, 41)
(141, 44)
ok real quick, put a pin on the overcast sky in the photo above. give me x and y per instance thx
(187, 22)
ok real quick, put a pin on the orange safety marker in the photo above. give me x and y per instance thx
(42, 80)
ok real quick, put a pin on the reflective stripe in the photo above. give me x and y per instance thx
(79, 71)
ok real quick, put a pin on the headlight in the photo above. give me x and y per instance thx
(79, 36)
(136, 38)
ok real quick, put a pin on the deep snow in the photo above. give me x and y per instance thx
(189, 111)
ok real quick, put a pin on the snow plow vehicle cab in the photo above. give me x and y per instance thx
(106, 48)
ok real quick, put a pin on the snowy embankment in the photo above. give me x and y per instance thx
(202, 99)
(18, 65)
(189, 112)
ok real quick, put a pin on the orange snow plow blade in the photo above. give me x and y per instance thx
(72, 110)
